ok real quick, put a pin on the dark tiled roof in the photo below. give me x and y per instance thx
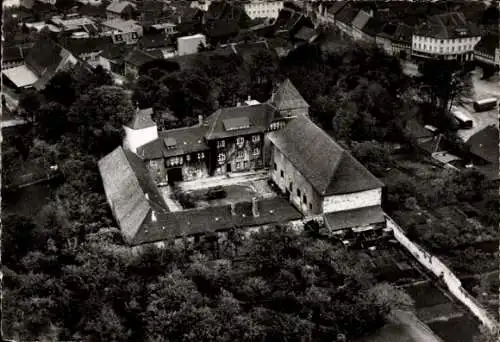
(484, 144)
(287, 97)
(154, 40)
(328, 167)
(138, 57)
(186, 140)
(82, 46)
(13, 53)
(373, 26)
(222, 28)
(354, 218)
(43, 56)
(417, 130)
(347, 15)
(130, 191)
(360, 20)
(259, 116)
(336, 7)
(488, 44)
(142, 119)
(305, 33)
(446, 26)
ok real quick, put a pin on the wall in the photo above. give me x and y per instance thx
(352, 201)
(138, 137)
(263, 9)
(189, 45)
(292, 175)
(249, 161)
(439, 269)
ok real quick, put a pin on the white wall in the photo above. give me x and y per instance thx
(135, 138)
(263, 9)
(352, 201)
(189, 45)
(444, 46)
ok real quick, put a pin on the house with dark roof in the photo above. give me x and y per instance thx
(43, 61)
(358, 24)
(483, 147)
(125, 10)
(13, 56)
(487, 51)
(122, 31)
(320, 177)
(135, 59)
(394, 38)
(345, 18)
(447, 36)
(88, 50)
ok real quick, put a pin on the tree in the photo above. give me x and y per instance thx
(17, 238)
(29, 104)
(52, 122)
(60, 89)
(97, 118)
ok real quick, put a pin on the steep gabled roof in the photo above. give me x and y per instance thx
(336, 7)
(119, 6)
(142, 119)
(130, 191)
(328, 167)
(259, 117)
(287, 97)
(90, 45)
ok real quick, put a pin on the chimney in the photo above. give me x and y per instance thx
(255, 209)
(233, 209)
(200, 120)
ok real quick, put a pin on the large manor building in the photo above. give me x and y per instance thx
(315, 176)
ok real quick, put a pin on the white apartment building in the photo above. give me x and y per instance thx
(447, 36)
(263, 8)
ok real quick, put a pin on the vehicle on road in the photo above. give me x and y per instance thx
(485, 104)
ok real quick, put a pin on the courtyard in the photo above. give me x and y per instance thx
(218, 191)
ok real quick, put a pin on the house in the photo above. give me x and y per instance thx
(153, 39)
(88, 50)
(135, 59)
(447, 36)
(263, 9)
(76, 25)
(344, 19)
(395, 39)
(152, 13)
(43, 61)
(288, 101)
(484, 150)
(123, 31)
(145, 219)
(167, 27)
(487, 51)
(321, 178)
(118, 9)
(358, 24)
(190, 44)
(373, 27)
(289, 22)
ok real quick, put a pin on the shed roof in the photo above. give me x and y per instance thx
(355, 218)
(329, 168)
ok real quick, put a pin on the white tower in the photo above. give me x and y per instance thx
(141, 130)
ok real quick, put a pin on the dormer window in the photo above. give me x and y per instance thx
(201, 155)
(240, 155)
(170, 143)
(240, 141)
(221, 144)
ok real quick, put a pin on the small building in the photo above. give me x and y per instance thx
(344, 19)
(123, 31)
(118, 9)
(447, 36)
(190, 44)
(318, 176)
(88, 50)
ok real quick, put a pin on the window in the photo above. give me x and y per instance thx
(245, 164)
(201, 156)
(221, 157)
(118, 37)
(255, 138)
(282, 174)
(291, 186)
(256, 151)
(240, 155)
(298, 193)
(310, 206)
(238, 165)
(304, 199)
(442, 41)
(134, 35)
(441, 49)
(240, 141)
(275, 166)
(188, 157)
(221, 143)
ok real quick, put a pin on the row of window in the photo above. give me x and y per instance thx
(290, 188)
(441, 49)
(240, 141)
(221, 157)
(180, 160)
(444, 41)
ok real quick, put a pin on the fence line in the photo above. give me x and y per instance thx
(438, 268)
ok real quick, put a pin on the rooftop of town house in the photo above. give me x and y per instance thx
(336, 6)
(175, 142)
(257, 118)
(119, 6)
(122, 25)
(328, 167)
(447, 26)
(346, 15)
(360, 20)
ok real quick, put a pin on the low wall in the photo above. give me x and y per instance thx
(437, 267)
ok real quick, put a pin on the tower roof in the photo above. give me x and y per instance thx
(288, 97)
(142, 119)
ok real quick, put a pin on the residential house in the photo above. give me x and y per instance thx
(76, 25)
(395, 39)
(152, 13)
(263, 9)
(153, 39)
(135, 59)
(327, 11)
(123, 31)
(484, 152)
(43, 61)
(447, 36)
(119, 9)
(289, 23)
(487, 51)
(288, 101)
(112, 58)
(88, 50)
(168, 28)
(321, 178)
(373, 27)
